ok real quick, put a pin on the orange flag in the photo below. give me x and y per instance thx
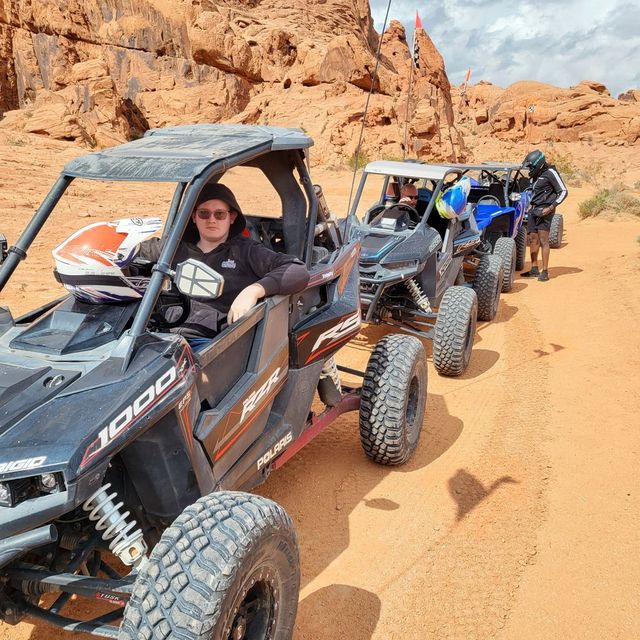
(468, 75)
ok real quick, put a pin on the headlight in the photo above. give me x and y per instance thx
(6, 499)
(401, 264)
(13, 492)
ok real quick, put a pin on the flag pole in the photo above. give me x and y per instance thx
(406, 118)
(415, 60)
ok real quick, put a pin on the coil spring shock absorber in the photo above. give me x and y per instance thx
(329, 387)
(422, 301)
(127, 542)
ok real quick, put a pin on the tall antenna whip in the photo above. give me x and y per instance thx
(374, 77)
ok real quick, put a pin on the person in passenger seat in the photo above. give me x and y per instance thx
(251, 271)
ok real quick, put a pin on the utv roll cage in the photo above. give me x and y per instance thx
(192, 156)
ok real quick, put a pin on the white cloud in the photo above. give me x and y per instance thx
(557, 42)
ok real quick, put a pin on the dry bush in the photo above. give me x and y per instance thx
(614, 200)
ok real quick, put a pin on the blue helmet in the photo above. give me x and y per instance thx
(452, 202)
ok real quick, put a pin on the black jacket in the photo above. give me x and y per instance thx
(241, 261)
(548, 190)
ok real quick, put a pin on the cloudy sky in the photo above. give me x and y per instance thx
(556, 41)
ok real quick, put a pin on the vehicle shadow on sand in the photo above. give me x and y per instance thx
(331, 477)
(329, 613)
(481, 359)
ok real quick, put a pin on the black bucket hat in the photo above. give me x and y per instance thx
(221, 192)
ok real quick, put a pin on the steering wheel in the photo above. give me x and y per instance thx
(489, 200)
(165, 314)
(412, 213)
(414, 216)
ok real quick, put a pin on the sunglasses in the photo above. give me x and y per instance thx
(218, 214)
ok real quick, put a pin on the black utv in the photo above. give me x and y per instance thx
(117, 440)
(419, 272)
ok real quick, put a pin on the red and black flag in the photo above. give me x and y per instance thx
(416, 46)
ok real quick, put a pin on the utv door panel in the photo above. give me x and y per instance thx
(238, 419)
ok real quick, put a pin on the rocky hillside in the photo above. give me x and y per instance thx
(101, 71)
(534, 112)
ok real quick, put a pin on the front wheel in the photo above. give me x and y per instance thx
(393, 400)
(228, 567)
(487, 285)
(557, 231)
(455, 331)
(505, 248)
(521, 248)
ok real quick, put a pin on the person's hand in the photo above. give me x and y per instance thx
(547, 210)
(245, 301)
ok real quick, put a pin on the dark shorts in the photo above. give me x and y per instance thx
(539, 223)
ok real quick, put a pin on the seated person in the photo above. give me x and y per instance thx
(251, 271)
(409, 194)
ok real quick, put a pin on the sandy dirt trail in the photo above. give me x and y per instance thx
(518, 515)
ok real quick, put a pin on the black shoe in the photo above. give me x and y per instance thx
(544, 276)
(532, 273)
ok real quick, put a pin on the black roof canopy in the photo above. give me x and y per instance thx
(181, 153)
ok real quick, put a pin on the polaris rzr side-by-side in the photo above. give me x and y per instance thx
(117, 439)
(421, 270)
(500, 193)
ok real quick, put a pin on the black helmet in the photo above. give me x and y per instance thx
(535, 162)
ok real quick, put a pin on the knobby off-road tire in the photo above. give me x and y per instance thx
(505, 248)
(393, 400)
(454, 331)
(227, 567)
(521, 248)
(487, 284)
(557, 231)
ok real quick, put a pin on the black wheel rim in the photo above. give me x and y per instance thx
(411, 412)
(468, 340)
(254, 613)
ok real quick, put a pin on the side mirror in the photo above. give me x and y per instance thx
(196, 280)
(515, 196)
(3, 247)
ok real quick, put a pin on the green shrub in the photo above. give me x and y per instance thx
(566, 168)
(614, 200)
(362, 160)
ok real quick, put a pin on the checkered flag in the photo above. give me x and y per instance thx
(416, 46)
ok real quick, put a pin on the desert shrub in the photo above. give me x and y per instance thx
(362, 159)
(615, 199)
(566, 168)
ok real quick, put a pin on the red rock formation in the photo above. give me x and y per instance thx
(101, 71)
(534, 112)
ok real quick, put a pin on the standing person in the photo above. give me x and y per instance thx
(251, 271)
(548, 191)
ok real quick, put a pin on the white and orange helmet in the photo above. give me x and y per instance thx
(93, 264)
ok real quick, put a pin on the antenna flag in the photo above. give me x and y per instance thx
(416, 46)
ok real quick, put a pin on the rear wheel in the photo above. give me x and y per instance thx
(557, 231)
(393, 400)
(455, 330)
(505, 248)
(227, 567)
(487, 285)
(521, 248)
